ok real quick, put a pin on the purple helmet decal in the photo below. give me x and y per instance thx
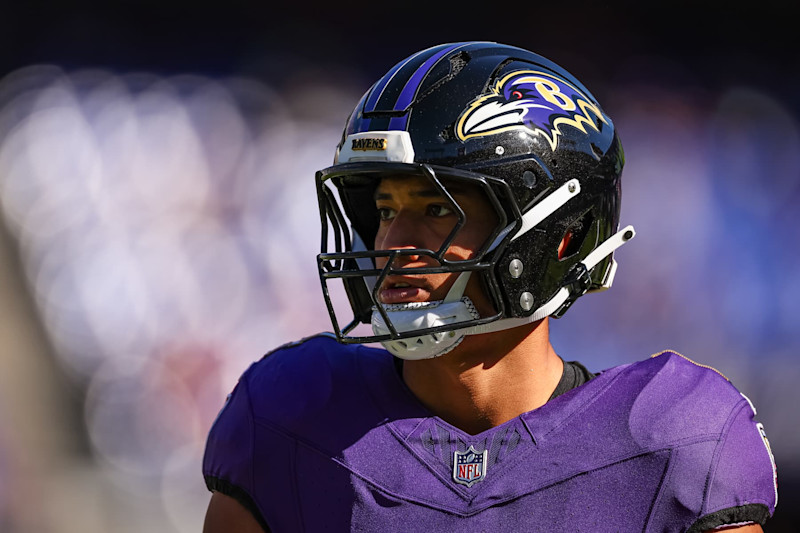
(531, 100)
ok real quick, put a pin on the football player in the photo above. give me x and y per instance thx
(475, 194)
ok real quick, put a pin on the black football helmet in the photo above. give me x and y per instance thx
(523, 131)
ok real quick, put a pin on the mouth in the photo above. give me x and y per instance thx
(402, 290)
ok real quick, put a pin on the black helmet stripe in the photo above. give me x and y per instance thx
(412, 85)
(397, 90)
(380, 86)
(404, 83)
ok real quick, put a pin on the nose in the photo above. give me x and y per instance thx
(403, 232)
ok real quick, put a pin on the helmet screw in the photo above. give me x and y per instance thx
(515, 268)
(571, 187)
(499, 150)
(526, 301)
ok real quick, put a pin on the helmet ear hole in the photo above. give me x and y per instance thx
(575, 235)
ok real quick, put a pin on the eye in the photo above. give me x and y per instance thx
(439, 210)
(516, 95)
(386, 213)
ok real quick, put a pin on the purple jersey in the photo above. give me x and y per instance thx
(323, 436)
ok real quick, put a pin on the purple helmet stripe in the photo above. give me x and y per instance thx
(413, 83)
(377, 91)
(412, 86)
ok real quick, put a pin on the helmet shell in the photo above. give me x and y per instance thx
(501, 112)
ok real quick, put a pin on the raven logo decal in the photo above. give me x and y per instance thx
(531, 100)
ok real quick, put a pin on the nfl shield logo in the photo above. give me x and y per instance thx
(469, 467)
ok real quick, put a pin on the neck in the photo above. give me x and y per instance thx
(488, 379)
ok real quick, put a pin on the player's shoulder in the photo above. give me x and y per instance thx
(312, 358)
(310, 374)
(685, 377)
(682, 403)
(673, 396)
(672, 365)
(297, 356)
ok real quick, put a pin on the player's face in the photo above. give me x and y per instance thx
(414, 214)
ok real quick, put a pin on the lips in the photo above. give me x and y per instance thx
(399, 289)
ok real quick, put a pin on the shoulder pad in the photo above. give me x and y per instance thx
(678, 398)
(292, 344)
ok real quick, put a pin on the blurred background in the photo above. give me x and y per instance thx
(158, 220)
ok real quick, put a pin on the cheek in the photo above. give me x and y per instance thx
(458, 253)
(379, 237)
(468, 241)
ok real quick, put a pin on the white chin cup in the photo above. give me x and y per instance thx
(422, 315)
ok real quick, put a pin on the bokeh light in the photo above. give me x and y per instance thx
(159, 221)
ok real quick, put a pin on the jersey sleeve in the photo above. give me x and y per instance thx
(228, 460)
(742, 482)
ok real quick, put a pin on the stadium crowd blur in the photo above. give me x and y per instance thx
(159, 233)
